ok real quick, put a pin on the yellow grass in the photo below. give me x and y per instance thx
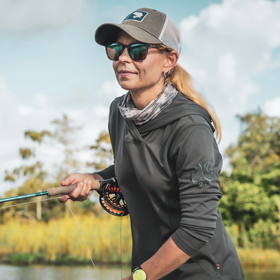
(58, 238)
(259, 257)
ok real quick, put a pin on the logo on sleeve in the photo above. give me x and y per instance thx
(198, 175)
(136, 16)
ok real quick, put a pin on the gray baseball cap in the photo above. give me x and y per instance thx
(144, 25)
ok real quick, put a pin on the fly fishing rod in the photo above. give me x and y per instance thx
(111, 198)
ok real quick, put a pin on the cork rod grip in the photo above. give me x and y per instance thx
(68, 189)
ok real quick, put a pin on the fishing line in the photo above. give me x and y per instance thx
(111, 200)
(27, 202)
(121, 244)
(83, 241)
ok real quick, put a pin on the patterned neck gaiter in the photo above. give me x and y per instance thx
(129, 111)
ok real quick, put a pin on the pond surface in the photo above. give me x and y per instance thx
(44, 272)
(262, 273)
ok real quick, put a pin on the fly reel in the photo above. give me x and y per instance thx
(112, 201)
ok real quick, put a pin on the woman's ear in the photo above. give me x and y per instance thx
(171, 61)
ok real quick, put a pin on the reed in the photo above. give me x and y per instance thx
(259, 257)
(60, 239)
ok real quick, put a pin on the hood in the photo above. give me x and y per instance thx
(180, 107)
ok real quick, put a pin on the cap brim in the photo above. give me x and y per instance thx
(108, 32)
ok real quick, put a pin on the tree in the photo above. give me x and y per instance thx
(35, 178)
(64, 133)
(251, 193)
(258, 147)
(103, 153)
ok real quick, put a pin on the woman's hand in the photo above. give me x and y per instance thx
(83, 189)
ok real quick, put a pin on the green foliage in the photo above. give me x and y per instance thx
(9, 176)
(36, 179)
(251, 193)
(34, 170)
(258, 147)
(37, 136)
(250, 206)
(22, 259)
(264, 234)
(25, 153)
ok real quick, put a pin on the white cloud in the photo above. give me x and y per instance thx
(108, 91)
(272, 107)
(226, 45)
(17, 15)
(16, 118)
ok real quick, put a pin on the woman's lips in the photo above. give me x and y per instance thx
(125, 73)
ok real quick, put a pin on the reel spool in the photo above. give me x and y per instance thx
(112, 201)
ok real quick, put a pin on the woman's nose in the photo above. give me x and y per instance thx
(124, 57)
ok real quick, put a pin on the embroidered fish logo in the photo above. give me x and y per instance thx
(201, 179)
(137, 15)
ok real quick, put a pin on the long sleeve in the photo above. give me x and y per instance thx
(198, 164)
(108, 172)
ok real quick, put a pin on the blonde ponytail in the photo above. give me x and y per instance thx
(181, 79)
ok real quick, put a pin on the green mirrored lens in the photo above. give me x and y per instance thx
(138, 51)
(114, 51)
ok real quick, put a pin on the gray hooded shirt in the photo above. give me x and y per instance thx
(168, 170)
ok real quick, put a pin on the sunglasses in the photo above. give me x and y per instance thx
(136, 51)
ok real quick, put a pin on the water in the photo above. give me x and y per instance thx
(262, 273)
(43, 272)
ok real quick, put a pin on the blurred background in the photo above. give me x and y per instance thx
(56, 85)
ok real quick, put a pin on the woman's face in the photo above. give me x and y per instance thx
(140, 76)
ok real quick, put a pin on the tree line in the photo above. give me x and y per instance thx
(250, 206)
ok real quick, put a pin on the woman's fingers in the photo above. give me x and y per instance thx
(82, 191)
(85, 184)
(86, 189)
(71, 179)
(63, 198)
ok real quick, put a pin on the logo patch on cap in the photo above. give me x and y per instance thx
(136, 16)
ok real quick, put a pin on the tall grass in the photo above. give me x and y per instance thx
(59, 241)
(259, 257)
(60, 238)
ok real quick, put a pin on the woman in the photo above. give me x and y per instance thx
(166, 158)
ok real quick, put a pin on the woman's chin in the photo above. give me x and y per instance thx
(127, 85)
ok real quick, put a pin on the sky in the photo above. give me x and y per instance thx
(50, 65)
